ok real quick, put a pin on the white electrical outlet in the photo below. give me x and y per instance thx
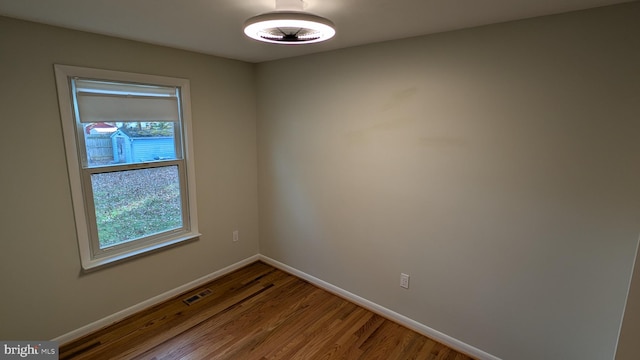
(404, 281)
(236, 235)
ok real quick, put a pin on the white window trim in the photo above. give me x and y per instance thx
(63, 73)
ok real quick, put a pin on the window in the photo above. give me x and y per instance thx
(130, 161)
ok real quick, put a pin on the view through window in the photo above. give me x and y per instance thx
(129, 158)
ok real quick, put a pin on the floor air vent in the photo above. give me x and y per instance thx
(192, 299)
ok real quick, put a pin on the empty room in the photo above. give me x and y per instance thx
(373, 180)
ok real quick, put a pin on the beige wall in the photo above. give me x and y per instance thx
(498, 166)
(44, 295)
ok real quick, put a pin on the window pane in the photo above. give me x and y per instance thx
(133, 204)
(110, 143)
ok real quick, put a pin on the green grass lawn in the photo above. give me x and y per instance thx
(136, 203)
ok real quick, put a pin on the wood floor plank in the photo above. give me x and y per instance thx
(381, 343)
(279, 340)
(156, 316)
(237, 320)
(270, 332)
(342, 340)
(257, 313)
(430, 350)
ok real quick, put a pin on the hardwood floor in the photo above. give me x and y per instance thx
(257, 312)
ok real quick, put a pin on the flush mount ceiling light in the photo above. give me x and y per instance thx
(289, 27)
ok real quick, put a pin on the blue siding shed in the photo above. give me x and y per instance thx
(128, 149)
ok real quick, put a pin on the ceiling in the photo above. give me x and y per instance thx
(215, 26)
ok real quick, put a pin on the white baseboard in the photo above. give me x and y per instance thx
(382, 311)
(99, 324)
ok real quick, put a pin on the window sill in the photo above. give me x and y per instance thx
(89, 264)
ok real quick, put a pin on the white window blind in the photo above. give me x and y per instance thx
(104, 101)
